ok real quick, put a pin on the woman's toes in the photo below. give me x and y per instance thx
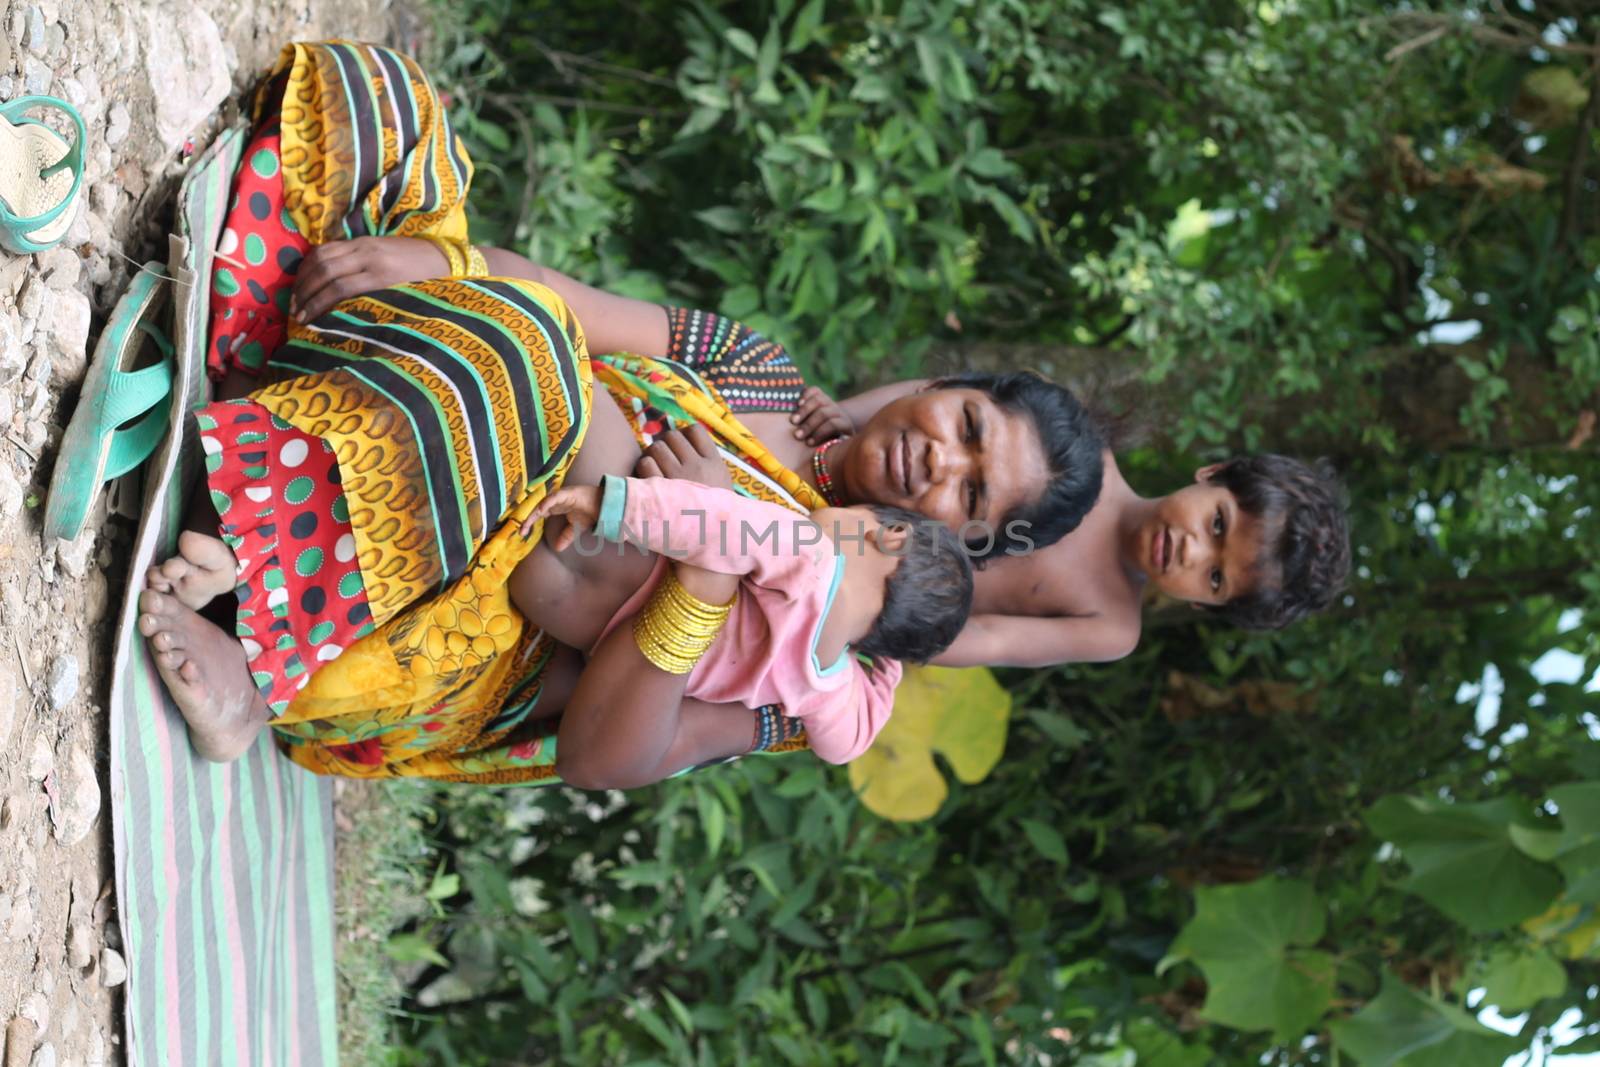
(189, 671)
(147, 624)
(174, 569)
(174, 661)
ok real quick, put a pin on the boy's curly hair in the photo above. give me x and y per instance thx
(1305, 535)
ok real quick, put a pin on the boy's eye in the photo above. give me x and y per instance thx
(972, 426)
(1216, 579)
(1216, 523)
(972, 501)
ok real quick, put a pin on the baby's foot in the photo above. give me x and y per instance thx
(206, 673)
(203, 569)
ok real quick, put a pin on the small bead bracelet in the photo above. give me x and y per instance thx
(819, 467)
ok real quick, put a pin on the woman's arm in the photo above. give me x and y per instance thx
(339, 270)
(1035, 641)
(622, 725)
(610, 323)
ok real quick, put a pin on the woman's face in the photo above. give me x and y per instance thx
(953, 455)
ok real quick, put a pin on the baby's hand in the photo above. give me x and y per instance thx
(817, 418)
(579, 503)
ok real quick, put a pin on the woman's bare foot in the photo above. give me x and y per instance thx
(206, 673)
(203, 569)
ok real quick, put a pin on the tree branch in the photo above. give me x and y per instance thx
(1518, 38)
(1580, 156)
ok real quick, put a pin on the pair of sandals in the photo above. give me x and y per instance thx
(123, 413)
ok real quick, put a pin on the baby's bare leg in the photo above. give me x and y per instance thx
(556, 683)
(571, 595)
(556, 600)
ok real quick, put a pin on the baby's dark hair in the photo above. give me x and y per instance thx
(1072, 445)
(928, 597)
(1305, 537)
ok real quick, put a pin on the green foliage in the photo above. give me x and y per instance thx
(1575, 850)
(1358, 227)
(1249, 940)
(1465, 860)
(1403, 1028)
(381, 866)
(1515, 979)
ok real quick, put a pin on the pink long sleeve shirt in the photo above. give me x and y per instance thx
(767, 650)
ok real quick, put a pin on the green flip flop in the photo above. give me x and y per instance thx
(41, 175)
(122, 413)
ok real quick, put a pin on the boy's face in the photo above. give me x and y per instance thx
(1200, 546)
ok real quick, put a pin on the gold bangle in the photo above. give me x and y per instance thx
(451, 251)
(477, 266)
(669, 648)
(675, 628)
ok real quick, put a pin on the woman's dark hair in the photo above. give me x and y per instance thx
(1072, 445)
(1305, 537)
(928, 597)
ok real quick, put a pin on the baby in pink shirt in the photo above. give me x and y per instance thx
(813, 592)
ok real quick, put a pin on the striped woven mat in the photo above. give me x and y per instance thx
(224, 873)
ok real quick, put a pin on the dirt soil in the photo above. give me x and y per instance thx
(149, 79)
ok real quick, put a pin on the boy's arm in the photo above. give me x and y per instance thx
(623, 722)
(861, 407)
(1036, 641)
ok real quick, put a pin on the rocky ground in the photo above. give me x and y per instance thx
(147, 77)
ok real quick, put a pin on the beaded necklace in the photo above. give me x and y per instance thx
(819, 467)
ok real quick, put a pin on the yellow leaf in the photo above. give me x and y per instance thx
(1573, 930)
(1550, 97)
(1192, 220)
(959, 713)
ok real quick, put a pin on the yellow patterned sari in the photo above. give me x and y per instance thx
(452, 408)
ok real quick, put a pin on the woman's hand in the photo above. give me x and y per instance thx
(690, 456)
(579, 503)
(817, 418)
(338, 270)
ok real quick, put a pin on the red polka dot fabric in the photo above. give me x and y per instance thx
(284, 514)
(256, 262)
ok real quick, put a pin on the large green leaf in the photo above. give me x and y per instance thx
(1464, 859)
(1156, 1046)
(1244, 939)
(1575, 848)
(1514, 980)
(1403, 1028)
